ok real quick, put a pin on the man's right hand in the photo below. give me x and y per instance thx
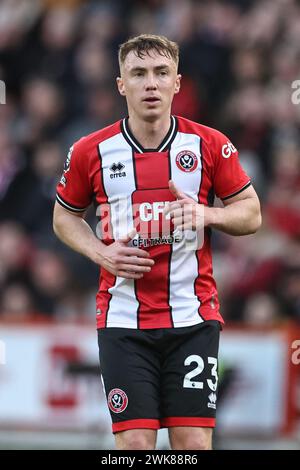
(124, 261)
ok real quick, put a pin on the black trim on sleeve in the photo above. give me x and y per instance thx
(237, 192)
(67, 206)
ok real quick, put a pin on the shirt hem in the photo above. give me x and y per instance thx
(154, 325)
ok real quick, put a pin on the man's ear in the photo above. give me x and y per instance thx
(177, 84)
(120, 85)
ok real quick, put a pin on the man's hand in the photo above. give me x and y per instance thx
(240, 216)
(124, 261)
(186, 214)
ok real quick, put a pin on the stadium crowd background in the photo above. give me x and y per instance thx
(58, 60)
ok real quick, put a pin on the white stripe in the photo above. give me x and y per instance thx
(63, 203)
(102, 380)
(184, 264)
(123, 305)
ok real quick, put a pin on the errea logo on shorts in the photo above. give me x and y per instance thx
(212, 400)
(228, 149)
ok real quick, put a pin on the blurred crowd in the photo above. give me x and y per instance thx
(58, 60)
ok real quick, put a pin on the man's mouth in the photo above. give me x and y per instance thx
(151, 99)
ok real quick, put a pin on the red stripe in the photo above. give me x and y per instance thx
(205, 285)
(136, 424)
(194, 422)
(152, 291)
(103, 296)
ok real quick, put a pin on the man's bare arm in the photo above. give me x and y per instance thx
(240, 216)
(117, 258)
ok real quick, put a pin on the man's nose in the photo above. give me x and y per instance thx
(151, 83)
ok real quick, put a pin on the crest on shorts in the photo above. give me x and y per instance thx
(117, 400)
(186, 161)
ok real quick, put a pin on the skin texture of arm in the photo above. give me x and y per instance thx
(240, 215)
(117, 258)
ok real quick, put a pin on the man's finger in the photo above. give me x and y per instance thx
(141, 261)
(176, 191)
(176, 213)
(129, 251)
(134, 268)
(170, 206)
(186, 203)
(186, 226)
(128, 237)
(129, 275)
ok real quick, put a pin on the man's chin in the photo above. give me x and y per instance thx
(152, 115)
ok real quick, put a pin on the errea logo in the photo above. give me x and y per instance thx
(116, 169)
(228, 149)
(212, 400)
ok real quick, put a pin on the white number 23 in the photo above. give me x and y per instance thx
(189, 383)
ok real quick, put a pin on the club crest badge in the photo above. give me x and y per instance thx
(186, 161)
(117, 400)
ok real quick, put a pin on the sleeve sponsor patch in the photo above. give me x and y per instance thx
(67, 163)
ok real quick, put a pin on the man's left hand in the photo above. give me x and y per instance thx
(186, 214)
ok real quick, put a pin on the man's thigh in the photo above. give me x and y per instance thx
(189, 376)
(130, 369)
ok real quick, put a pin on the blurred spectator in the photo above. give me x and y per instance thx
(261, 310)
(15, 251)
(29, 198)
(16, 303)
(43, 106)
(50, 278)
(238, 61)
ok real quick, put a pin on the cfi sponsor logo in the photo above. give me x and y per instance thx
(117, 400)
(186, 161)
(212, 400)
(151, 211)
(228, 149)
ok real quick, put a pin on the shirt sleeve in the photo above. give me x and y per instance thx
(74, 191)
(229, 178)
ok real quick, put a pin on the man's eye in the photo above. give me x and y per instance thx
(163, 72)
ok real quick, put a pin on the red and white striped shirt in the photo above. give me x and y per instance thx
(130, 187)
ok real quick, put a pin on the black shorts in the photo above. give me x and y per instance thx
(160, 377)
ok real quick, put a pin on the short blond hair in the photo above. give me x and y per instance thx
(143, 43)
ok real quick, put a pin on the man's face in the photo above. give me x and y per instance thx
(149, 84)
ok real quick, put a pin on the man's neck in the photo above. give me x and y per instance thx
(149, 134)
